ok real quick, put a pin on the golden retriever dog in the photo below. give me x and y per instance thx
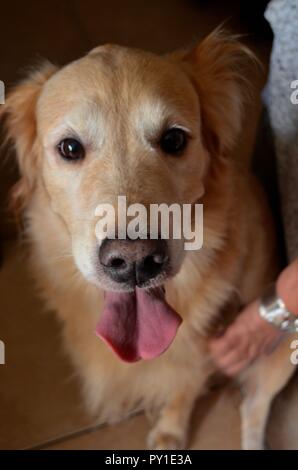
(157, 129)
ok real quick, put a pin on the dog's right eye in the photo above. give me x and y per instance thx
(71, 149)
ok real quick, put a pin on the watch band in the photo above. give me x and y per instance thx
(273, 310)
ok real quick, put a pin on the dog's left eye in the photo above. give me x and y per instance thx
(173, 141)
(71, 149)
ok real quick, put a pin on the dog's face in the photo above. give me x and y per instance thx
(120, 122)
(126, 122)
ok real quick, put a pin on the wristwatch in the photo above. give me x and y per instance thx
(273, 310)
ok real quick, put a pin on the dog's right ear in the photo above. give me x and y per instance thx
(20, 130)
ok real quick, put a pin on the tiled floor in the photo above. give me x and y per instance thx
(40, 403)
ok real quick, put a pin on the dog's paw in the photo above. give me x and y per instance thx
(161, 440)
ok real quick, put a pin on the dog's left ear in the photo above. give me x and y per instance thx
(217, 68)
(20, 129)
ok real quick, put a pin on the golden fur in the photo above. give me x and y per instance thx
(114, 98)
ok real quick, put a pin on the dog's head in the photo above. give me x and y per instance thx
(125, 122)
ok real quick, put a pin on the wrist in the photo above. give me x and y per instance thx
(274, 311)
(287, 287)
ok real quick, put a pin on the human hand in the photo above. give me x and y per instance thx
(245, 340)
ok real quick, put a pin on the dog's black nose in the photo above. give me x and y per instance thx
(133, 261)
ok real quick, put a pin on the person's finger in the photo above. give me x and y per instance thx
(234, 370)
(233, 357)
(252, 353)
(226, 343)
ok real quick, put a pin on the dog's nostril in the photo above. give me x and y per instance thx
(153, 263)
(149, 262)
(117, 263)
(150, 267)
(158, 258)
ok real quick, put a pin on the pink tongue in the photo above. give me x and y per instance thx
(138, 325)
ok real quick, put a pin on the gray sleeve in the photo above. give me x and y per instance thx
(282, 103)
